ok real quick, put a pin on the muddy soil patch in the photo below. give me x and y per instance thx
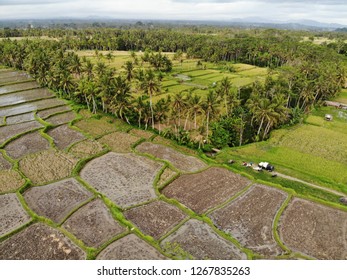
(200, 241)
(47, 166)
(4, 164)
(18, 87)
(61, 118)
(315, 230)
(25, 96)
(12, 214)
(166, 176)
(130, 247)
(27, 144)
(10, 180)
(40, 242)
(64, 136)
(27, 117)
(179, 160)
(93, 224)
(96, 127)
(206, 189)
(85, 149)
(9, 131)
(30, 107)
(119, 142)
(126, 179)
(55, 201)
(43, 114)
(250, 218)
(156, 218)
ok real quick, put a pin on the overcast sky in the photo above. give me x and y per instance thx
(333, 11)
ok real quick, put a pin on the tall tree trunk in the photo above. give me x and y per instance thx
(207, 123)
(151, 105)
(261, 125)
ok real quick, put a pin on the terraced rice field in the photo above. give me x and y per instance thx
(86, 189)
(249, 219)
(207, 189)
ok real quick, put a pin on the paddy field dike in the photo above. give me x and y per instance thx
(79, 186)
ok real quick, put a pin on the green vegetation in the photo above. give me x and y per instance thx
(314, 151)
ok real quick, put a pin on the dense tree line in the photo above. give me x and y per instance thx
(302, 75)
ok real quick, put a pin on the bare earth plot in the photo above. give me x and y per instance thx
(126, 179)
(55, 201)
(26, 117)
(40, 242)
(315, 230)
(119, 142)
(27, 144)
(207, 189)
(61, 118)
(12, 214)
(250, 218)
(85, 149)
(156, 218)
(9, 131)
(200, 241)
(130, 247)
(4, 164)
(43, 114)
(18, 87)
(63, 136)
(10, 180)
(24, 96)
(47, 166)
(179, 160)
(30, 107)
(93, 224)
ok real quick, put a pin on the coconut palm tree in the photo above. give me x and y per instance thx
(210, 106)
(150, 85)
(129, 68)
(224, 90)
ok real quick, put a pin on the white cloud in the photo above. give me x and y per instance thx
(320, 10)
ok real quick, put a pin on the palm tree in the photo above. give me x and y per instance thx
(105, 87)
(210, 106)
(161, 109)
(88, 69)
(195, 107)
(150, 85)
(140, 107)
(178, 105)
(224, 90)
(129, 68)
(109, 56)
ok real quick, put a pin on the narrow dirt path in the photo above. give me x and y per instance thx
(310, 184)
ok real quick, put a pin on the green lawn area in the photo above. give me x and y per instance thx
(315, 151)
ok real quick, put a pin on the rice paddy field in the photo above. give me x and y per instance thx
(78, 186)
(314, 151)
(187, 75)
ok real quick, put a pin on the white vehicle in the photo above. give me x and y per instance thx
(266, 166)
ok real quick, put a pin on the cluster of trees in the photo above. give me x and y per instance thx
(302, 75)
